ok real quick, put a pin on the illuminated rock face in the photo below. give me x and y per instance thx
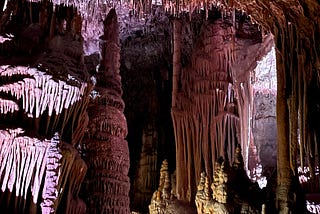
(263, 149)
(44, 91)
(107, 154)
(36, 175)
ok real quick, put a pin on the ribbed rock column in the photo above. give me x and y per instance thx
(107, 153)
(204, 113)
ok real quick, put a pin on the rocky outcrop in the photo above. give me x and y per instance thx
(107, 155)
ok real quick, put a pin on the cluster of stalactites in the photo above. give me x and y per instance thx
(177, 7)
(98, 9)
(38, 92)
(27, 162)
(39, 172)
(206, 113)
(21, 159)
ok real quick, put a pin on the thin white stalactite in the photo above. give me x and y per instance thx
(7, 106)
(21, 160)
(38, 93)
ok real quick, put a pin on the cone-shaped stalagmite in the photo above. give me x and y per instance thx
(107, 151)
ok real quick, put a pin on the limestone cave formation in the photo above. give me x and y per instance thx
(159, 106)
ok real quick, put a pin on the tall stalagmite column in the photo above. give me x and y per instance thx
(295, 112)
(107, 151)
(176, 58)
(284, 178)
(175, 81)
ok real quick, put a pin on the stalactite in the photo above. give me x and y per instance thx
(28, 164)
(40, 92)
(201, 118)
(8, 106)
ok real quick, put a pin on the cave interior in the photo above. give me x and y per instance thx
(171, 106)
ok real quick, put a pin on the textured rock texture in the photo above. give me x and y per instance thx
(264, 126)
(231, 190)
(212, 97)
(107, 155)
(44, 91)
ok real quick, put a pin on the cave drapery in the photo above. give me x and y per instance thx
(212, 99)
(52, 99)
(295, 26)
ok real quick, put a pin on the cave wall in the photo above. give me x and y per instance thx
(45, 90)
(44, 95)
(264, 128)
(295, 26)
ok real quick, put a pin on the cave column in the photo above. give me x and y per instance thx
(289, 62)
(176, 59)
(107, 152)
(175, 82)
(283, 160)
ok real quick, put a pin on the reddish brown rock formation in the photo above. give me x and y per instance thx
(212, 98)
(107, 155)
(200, 115)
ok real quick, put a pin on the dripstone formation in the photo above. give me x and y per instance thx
(63, 132)
(107, 183)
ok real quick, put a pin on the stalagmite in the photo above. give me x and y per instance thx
(107, 152)
(162, 198)
(200, 199)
